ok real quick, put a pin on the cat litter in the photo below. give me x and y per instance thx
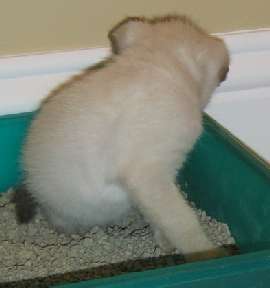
(35, 250)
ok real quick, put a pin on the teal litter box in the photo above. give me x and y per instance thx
(223, 177)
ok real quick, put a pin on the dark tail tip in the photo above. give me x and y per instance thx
(25, 205)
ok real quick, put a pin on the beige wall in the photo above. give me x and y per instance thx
(42, 25)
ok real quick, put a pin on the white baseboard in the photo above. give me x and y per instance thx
(15, 66)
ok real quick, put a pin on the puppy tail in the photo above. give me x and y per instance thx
(25, 205)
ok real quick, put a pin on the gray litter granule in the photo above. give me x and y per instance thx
(35, 250)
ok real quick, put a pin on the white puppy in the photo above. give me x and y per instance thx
(114, 137)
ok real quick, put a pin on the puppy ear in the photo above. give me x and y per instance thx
(127, 33)
(224, 57)
(217, 55)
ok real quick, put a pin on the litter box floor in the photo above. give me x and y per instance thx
(36, 256)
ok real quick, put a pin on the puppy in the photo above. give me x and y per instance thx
(113, 138)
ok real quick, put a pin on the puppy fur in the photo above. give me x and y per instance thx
(113, 137)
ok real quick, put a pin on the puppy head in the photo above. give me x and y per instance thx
(205, 57)
(134, 31)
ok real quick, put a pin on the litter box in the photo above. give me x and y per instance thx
(223, 177)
